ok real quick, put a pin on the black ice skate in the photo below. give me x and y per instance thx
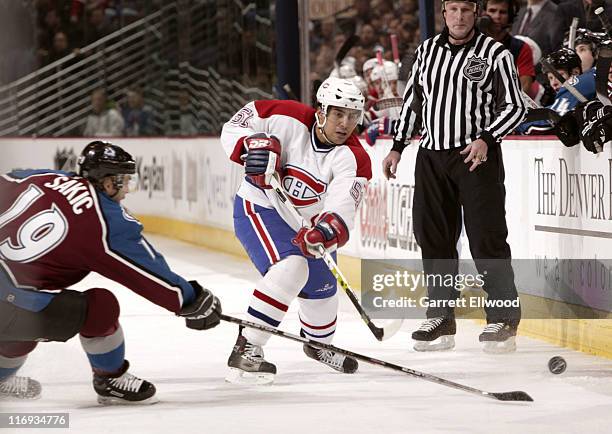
(123, 389)
(498, 337)
(435, 334)
(15, 387)
(247, 364)
(339, 362)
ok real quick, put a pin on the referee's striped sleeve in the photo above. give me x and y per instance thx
(510, 106)
(410, 113)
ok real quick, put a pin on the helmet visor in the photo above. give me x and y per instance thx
(131, 182)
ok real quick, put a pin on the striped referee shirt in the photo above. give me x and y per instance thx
(458, 94)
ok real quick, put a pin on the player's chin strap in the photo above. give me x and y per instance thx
(321, 127)
(381, 333)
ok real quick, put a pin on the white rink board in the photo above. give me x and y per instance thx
(192, 180)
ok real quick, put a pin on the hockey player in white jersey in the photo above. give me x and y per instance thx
(323, 169)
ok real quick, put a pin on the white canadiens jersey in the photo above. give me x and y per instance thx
(317, 177)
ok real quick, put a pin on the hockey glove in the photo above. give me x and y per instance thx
(263, 158)
(330, 232)
(566, 130)
(204, 312)
(594, 121)
(380, 126)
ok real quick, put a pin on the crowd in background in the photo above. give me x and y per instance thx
(530, 30)
(63, 27)
(43, 31)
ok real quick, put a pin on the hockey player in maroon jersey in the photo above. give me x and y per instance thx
(56, 228)
(323, 169)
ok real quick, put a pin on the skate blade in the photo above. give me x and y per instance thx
(443, 343)
(238, 376)
(112, 400)
(507, 346)
(12, 398)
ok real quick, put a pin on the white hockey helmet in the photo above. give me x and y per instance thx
(360, 83)
(344, 71)
(369, 64)
(388, 69)
(338, 92)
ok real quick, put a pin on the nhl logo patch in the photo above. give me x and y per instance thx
(475, 68)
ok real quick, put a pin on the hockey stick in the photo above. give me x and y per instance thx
(600, 12)
(386, 87)
(566, 84)
(538, 113)
(502, 396)
(344, 49)
(604, 59)
(572, 34)
(395, 49)
(380, 333)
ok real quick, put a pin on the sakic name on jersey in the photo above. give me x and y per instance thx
(74, 190)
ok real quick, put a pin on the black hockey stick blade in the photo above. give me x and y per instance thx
(384, 333)
(378, 332)
(542, 114)
(350, 42)
(512, 396)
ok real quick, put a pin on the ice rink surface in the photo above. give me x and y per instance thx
(188, 368)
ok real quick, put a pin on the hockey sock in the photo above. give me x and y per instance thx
(12, 357)
(318, 318)
(106, 354)
(273, 295)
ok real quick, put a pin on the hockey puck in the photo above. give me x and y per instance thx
(557, 365)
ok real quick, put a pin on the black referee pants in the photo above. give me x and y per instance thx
(443, 187)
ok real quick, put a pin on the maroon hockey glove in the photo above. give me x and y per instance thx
(263, 158)
(330, 232)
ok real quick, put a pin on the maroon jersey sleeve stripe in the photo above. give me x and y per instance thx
(293, 109)
(238, 151)
(364, 164)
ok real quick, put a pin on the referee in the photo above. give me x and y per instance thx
(463, 96)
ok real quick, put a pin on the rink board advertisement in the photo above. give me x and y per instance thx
(559, 201)
(189, 180)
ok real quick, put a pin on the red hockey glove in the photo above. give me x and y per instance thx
(330, 232)
(263, 158)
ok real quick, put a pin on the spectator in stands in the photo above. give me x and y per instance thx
(584, 10)
(137, 116)
(501, 14)
(182, 122)
(363, 13)
(188, 122)
(48, 27)
(104, 121)
(97, 27)
(539, 20)
(368, 39)
(60, 48)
